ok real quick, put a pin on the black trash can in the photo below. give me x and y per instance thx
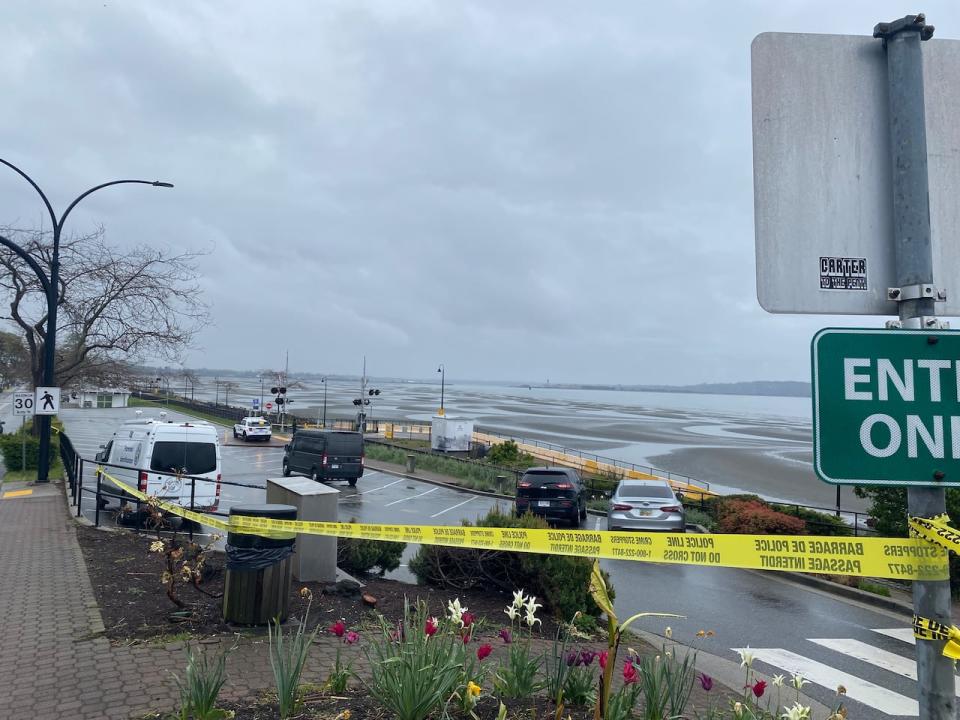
(257, 585)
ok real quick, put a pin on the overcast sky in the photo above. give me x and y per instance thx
(520, 190)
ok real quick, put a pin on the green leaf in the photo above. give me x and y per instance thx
(598, 590)
(647, 614)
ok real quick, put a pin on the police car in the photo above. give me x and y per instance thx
(252, 428)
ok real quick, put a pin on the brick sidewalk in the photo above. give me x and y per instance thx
(54, 663)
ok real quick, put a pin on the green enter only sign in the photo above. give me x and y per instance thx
(886, 406)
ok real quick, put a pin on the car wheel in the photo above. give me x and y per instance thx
(314, 476)
(286, 469)
(583, 513)
(235, 434)
(352, 482)
(244, 437)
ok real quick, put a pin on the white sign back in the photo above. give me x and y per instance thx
(23, 403)
(46, 401)
(822, 177)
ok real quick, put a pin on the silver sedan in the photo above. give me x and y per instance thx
(645, 505)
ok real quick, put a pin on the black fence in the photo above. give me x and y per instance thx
(87, 482)
(227, 412)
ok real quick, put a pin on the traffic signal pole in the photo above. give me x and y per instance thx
(916, 299)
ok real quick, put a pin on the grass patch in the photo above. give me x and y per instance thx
(468, 474)
(12, 476)
(874, 588)
(186, 410)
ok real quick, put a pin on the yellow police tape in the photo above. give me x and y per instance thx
(899, 558)
(924, 629)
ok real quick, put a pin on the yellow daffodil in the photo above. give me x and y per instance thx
(473, 690)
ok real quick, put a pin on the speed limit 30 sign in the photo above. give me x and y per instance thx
(23, 403)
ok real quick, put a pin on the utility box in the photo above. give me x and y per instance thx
(451, 434)
(315, 556)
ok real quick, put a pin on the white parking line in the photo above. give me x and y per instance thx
(371, 490)
(454, 507)
(412, 497)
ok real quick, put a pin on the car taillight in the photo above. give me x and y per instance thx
(142, 481)
(323, 459)
(563, 486)
(363, 461)
(671, 508)
(524, 484)
(621, 506)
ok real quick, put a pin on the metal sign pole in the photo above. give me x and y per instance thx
(914, 270)
(23, 442)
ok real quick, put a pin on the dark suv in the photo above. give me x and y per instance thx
(552, 492)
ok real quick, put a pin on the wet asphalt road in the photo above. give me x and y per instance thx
(743, 608)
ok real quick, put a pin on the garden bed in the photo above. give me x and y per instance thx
(126, 580)
(125, 575)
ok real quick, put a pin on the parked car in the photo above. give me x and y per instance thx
(554, 493)
(325, 455)
(253, 428)
(645, 505)
(153, 454)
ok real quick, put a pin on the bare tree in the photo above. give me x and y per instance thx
(117, 305)
(14, 364)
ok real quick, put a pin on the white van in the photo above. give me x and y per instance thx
(150, 450)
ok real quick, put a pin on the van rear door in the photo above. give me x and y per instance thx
(344, 455)
(191, 455)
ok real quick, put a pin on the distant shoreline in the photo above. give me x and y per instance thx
(756, 389)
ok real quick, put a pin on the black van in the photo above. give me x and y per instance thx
(325, 455)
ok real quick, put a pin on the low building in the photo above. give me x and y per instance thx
(97, 398)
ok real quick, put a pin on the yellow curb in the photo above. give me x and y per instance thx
(17, 493)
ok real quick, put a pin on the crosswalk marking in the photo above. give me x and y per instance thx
(883, 659)
(904, 634)
(875, 656)
(863, 691)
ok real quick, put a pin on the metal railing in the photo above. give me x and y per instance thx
(102, 490)
(621, 464)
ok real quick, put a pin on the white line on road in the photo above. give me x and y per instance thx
(372, 490)
(858, 689)
(454, 507)
(412, 497)
(904, 634)
(875, 656)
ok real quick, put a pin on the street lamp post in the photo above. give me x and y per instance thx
(50, 284)
(260, 378)
(443, 373)
(324, 381)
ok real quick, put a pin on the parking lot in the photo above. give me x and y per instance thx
(377, 498)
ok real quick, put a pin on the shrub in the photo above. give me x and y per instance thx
(699, 517)
(12, 448)
(504, 453)
(561, 581)
(755, 517)
(357, 555)
(818, 523)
